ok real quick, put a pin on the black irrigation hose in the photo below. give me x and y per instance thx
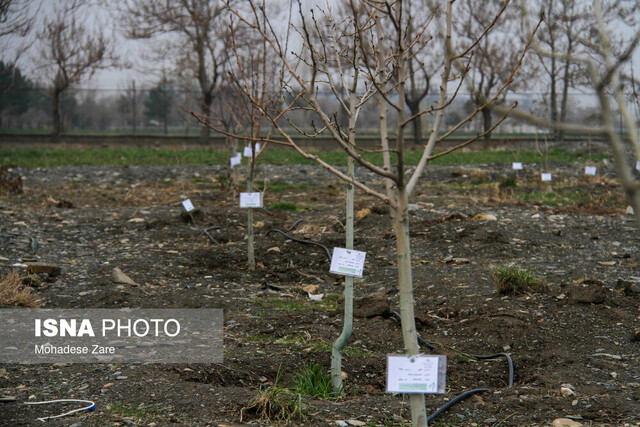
(454, 401)
(306, 242)
(464, 395)
(206, 231)
(295, 224)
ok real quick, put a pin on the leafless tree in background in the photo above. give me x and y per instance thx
(604, 58)
(202, 46)
(69, 52)
(495, 56)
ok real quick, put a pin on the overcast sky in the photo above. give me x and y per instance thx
(132, 52)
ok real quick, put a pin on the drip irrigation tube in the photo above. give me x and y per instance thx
(454, 401)
(90, 407)
(306, 242)
(464, 395)
(206, 231)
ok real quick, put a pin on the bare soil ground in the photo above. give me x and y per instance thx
(463, 225)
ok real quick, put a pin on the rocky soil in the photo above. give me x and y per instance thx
(573, 346)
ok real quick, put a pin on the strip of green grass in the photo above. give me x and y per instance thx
(52, 157)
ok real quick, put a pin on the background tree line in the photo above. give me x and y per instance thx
(51, 50)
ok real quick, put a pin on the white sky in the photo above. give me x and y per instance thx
(131, 52)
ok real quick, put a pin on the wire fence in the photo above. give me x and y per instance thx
(167, 111)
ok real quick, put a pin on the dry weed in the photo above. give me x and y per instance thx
(12, 292)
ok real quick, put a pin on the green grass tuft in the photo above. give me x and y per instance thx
(516, 281)
(312, 380)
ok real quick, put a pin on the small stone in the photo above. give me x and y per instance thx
(484, 217)
(368, 306)
(587, 292)
(341, 423)
(312, 289)
(490, 420)
(614, 375)
(629, 210)
(50, 269)
(565, 422)
(362, 213)
(274, 249)
(117, 276)
(356, 423)
(628, 287)
(107, 385)
(567, 390)
(121, 377)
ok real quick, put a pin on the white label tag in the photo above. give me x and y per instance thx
(546, 177)
(250, 200)
(347, 262)
(188, 206)
(416, 374)
(236, 160)
(590, 170)
(638, 165)
(247, 151)
(517, 166)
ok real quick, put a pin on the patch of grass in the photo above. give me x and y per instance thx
(312, 380)
(349, 350)
(508, 183)
(276, 404)
(51, 157)
(279, 304)
(132, 410)
(517, 281)
(281, 186)
(285, 206)
(13, 293)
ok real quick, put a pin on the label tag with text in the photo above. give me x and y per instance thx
(347, 262)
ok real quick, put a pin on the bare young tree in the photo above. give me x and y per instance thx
(200, 44)
(384, 73)
(69, 52)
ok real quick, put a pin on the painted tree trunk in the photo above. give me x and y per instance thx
(347, 328)
(405, 283)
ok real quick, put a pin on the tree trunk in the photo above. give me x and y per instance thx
(56, 114)
(405, 283)
(251, 260)
(347, 328)
(486, 123)
(414, 108)
(205, 109)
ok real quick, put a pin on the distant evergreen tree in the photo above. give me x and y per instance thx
(158, 102)
(16, 92)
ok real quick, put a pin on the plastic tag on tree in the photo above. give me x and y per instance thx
(235, 160)
(347, 262)
(546, 177)
(188, 206)
(416, 374)
(590, 170)
(517, 166)
(247, 151)
(250, 200)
